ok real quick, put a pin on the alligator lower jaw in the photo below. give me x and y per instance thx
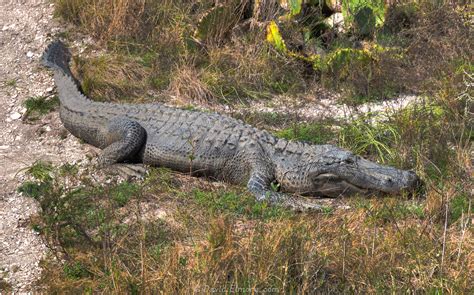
(334, 190)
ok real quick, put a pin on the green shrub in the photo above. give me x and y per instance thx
(123, 192)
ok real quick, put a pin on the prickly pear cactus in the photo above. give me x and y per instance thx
(365, 21)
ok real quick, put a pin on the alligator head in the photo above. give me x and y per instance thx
(326, 170)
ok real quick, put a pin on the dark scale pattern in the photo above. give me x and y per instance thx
(216, 146)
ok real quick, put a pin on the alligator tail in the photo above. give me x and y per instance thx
(57, 57)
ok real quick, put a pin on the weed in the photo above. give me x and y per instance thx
(33, 190)
(68, 170)
(363, 137)
(75, 271)
(39, 106)
(393, 211)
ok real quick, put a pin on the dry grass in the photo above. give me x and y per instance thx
(188, 86)
(112, 77)
(106, 19)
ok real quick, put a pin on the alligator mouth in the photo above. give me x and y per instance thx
(331, 185)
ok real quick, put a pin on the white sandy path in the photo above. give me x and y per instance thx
(26, 28)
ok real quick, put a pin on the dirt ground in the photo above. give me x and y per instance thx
(26, 27)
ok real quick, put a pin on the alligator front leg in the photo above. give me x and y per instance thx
(260, 185)
(124, 138)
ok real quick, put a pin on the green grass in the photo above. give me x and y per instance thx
(237, 204)
(317, 133)
(38, 106)
(34, 189)
(41, 171)
(366, 138)
(460, 205)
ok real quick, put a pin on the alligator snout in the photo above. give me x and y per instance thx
(412, 180)
(400, 181)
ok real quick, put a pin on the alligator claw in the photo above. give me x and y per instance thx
(302, 204)
(128, 171)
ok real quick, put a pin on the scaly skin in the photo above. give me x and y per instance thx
(216, 146)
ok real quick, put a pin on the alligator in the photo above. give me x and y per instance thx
(216, 146)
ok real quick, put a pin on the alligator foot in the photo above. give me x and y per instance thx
(128, 171)
(300, 204)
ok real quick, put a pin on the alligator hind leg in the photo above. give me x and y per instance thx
(124, 139)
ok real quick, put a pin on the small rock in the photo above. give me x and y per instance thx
(49, 89)
(30, 54)
(15, 116)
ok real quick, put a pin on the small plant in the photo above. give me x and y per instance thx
(11, 83)
(38, 106)
(5, 286)
(33, 189)
(459, 205)
(365, 15)
(42, 171)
